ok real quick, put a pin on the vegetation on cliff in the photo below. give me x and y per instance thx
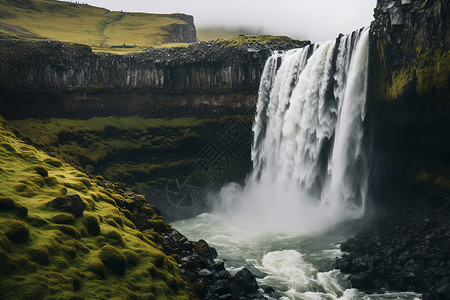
(410, 88)
(99, 28)
(274, 42)
(51, 254)
(144, 153)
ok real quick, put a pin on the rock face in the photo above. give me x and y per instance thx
(182, 33)
(409, 92)
(406, 247)
(52, 79)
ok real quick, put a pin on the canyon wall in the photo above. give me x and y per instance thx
(54, 79)
(409, 98)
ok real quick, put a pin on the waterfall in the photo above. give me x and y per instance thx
(309, 165)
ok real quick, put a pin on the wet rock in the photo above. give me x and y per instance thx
(412, 254)
(246, 280)
(69, 203)
(203, 249)
(362, 280)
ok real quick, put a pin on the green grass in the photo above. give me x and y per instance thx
(219, 32)
(268, 40)
(113, 147)
(83, 24)
(51, 255)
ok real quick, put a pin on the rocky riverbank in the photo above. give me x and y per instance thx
(197, 261)
(403, 250)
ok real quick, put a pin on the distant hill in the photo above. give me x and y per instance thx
(94, 26)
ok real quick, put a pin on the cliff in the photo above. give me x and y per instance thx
(54, 79)
(406, 247)
(409, 91)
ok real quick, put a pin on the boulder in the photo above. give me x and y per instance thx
(245, 280)
(69, 203)
(203, 249)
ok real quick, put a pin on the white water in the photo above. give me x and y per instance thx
(310, 169)
(297, 267)
(309, 174)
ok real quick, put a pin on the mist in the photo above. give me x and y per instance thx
(317, 20)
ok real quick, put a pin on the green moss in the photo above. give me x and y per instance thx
(7, 204)
(433, 177)
(69, 230)
(97, 267)
(400, 79)
(92, 225)
(37, 221)
(39, 255)
(63, 219)
(40, 170)
(52, 181)
(269, 40)
(16, 231)
(428, 73)
(53, 162)
(114, 238)
(132, 257)
(20, 264)
(158, 225)
(5, 244)
(54, 260)
(69, 252)
(433, 69)
(113, 259)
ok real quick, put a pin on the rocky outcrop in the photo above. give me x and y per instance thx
(406, 247)
(181, 33)
(409, 91)
(408, 252)
(51, 79)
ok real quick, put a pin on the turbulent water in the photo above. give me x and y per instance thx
(310, 169)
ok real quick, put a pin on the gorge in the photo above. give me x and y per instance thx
(346, 138)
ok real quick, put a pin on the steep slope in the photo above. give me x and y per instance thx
(48, 253)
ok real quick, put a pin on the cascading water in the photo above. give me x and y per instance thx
(309, 174)
(309, 168)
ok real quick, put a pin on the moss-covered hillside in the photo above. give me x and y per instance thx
(145, 154)
(93, 26)
(50, 254)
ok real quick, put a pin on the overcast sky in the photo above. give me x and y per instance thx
(317, 20)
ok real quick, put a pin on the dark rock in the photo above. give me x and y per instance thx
(221, 287)
(267, 289)
(205, 273)
(362, 280)
(246, 280)
(69, 203)
(203, 249)
(443, 291)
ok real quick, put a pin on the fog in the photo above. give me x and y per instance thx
(317, 20)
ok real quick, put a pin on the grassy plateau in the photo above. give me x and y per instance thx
(84, 24)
